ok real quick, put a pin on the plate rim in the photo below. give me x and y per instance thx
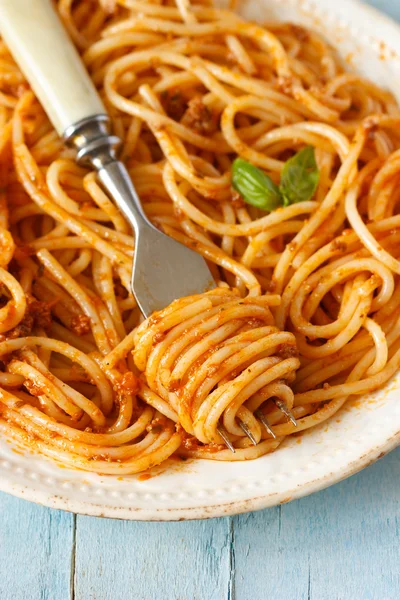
(224, 509)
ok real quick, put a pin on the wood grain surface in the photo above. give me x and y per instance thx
(340, 544)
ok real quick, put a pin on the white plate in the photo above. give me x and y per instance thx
(360, 434)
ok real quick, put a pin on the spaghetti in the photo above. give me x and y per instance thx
(307, 308)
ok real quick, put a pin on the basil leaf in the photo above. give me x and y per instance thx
(255, 187)
(300, 177)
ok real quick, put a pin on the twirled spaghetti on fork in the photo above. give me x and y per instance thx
(255, 147)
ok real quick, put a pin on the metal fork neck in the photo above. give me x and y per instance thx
(98, 148)
(163, 269)
(93, 140)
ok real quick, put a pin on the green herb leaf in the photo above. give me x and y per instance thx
(300, 177)
(255, 187)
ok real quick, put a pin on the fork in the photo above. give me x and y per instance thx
(54, 69)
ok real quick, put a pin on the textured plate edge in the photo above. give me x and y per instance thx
(227, 509)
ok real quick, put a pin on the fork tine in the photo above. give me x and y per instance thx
(283, 408)
(224, 434)
(260, 415)
(247, 432)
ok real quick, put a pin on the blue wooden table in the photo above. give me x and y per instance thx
(340, 544)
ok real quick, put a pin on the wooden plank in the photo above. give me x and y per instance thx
(391, 7)
(342, 543)
(36, 551)
(120, 560)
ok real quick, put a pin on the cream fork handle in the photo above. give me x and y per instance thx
(33, 32)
